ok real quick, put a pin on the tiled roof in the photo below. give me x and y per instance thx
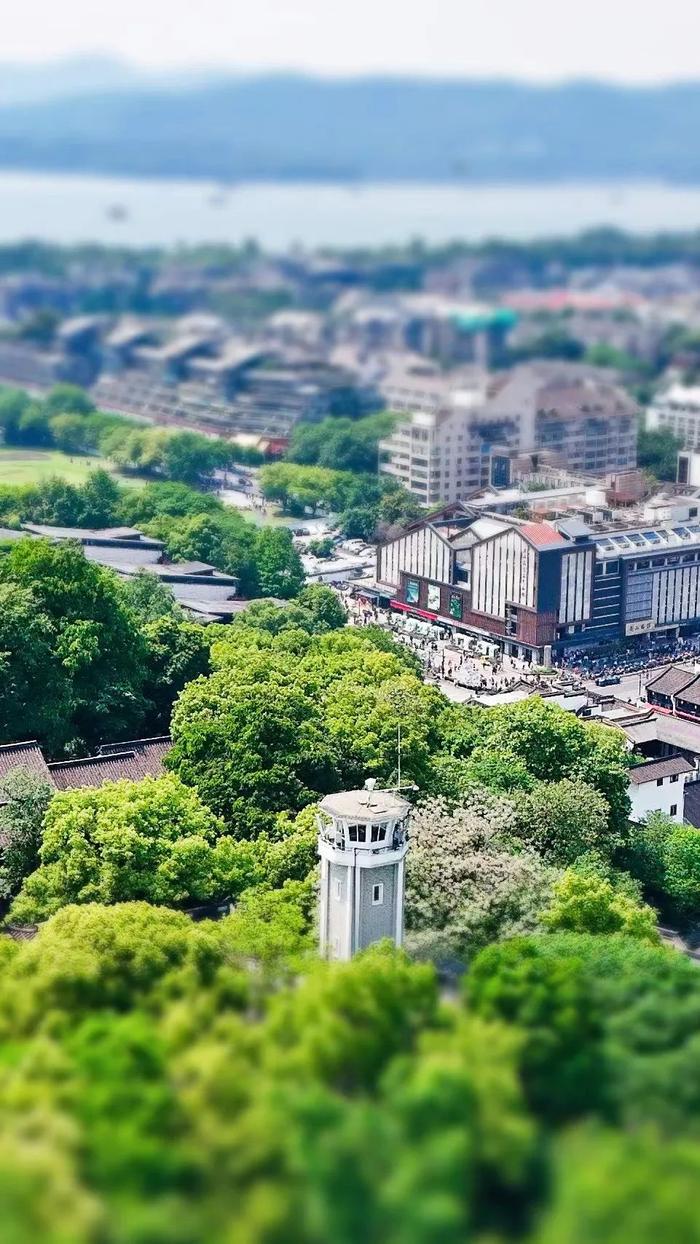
(149, 753)
(21, 932)
(26, 755)
(671, 680)
(654, 769)
(690, 694)
(95, 770)
(542, 535)
(117, 761)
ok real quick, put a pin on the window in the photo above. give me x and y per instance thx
(356, 833)
(378, 833)
(674, 809)
(338, 889)
(659, 781)
(377, 893)
(674, 777)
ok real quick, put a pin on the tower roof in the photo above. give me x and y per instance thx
(365, 805)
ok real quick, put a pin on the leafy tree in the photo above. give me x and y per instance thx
(225, 540)
(189, 456)
(176, 653)
(665, 857)
(251, 749)
(584, 903)
(375, 1006)
(619, 1187)
(398, 507)
(68, 399)
(122, 841)
(324, 605)
(99, 500)
(31, 705)
(68, 433)
(82, 633)
(681, 870)
(340, 444)
(108, 959)
(645, 1000)
(359, 522)
(657, 451)
(454, 779)
(56, 502)
(158, 500)
(564, 820)
(316, 611)
(363, 722)
(464, 887)
(552, 744)
(150, 598)
(34, 427)
(278, 565)
(321, 548)
(13, 404)
(25, 798)
(550, 1000)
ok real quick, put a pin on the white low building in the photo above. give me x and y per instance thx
(658, 786)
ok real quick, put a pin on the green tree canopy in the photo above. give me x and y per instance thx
(24, 798)
(122, 841)
(83, 647)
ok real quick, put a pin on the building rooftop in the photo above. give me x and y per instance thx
(365, 805)
(27, 755)
(671, 680)
(564, 389)
(652, 770)
(662, 728)
(132, 761)
(632, 542)
(150, 753)
(541, 535)
(106, 535)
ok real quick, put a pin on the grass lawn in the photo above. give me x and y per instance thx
(28, 466)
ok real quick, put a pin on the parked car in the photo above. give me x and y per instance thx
(608, 680)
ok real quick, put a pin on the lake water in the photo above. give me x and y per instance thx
(75, 209)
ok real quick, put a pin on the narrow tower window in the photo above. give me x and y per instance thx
(378, 893)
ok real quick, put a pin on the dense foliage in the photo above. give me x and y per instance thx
(167, 1082)
(67, 420)
(367, 505)
(171, 1081)
(657, 452)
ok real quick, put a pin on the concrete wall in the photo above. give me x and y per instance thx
(376, 920)
(648, 797)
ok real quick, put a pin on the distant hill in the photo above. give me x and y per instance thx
(80, 75)
(286, 127)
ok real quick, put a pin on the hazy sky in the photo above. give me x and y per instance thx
(628, 40)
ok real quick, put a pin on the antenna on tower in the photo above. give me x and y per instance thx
(398, 752)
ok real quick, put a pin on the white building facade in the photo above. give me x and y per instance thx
(677, 410)
(363, 840)
(658, 786)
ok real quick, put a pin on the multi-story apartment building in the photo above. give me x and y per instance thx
(461, 429)
(677, 409)
(435, 451)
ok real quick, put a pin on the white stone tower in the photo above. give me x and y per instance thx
(362, 841)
